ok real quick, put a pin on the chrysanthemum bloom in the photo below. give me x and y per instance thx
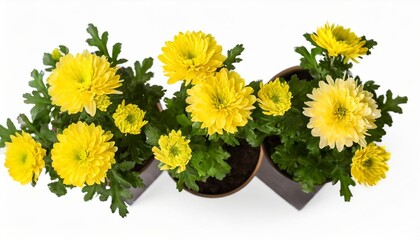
(173, 152)
(274, 98)
(24, 158)
(341, 113)
(222, 102)
(78, 81)
(129, 118)
(339, 41)
(83, 154)
(369, 164)
(103, 102)
(192, 56)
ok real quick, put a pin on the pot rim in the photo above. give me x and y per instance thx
(286, 71)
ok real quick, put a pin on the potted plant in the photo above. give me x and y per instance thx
(88, 125)
(331, 122)
(205, 148)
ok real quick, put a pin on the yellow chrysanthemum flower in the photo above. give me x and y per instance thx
(173, 152)
(192, 56)
(83, 154)
(369, 164)
(274, 98)
(24, 158)
(339, 41)
(78, 81)
(341, 113)
(103, 102)
(222, 102)
(129, 118)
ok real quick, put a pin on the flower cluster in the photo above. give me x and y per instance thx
(212, 108)
(87, 123)
(330, 121)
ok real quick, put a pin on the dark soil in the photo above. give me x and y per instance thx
(243, 161)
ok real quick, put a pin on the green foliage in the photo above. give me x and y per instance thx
(6, 132)
(309, 61)
(101, 41)
(387, 104)
(370, 43)
(233, 56)
(206, 161)
(58, 188)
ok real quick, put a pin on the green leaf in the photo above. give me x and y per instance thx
(125, 166)
(210, 161)
(118, 178)
(48, 60)
(340, 173)
(58, 188)
(232, 56)
(90, 192)
(98, 41)
(38, 83)
(229, 139)
(197, 130)
(152, 135)
(309, 61)
(63, 49)
(6, 132)
(391, 104)
(116, 50)
(183, 120)
(369, 44)
(142, 70)
(187, 179)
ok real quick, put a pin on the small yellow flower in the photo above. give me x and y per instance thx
(102, 102)
(274, 98)
(173, 152)
(192, 56)
(56, 54)
(83, 154)
(129, 118)
(369, 164)
(222, 102)
(340, 41)
(24, 158)
(78, 81)
(341, 113)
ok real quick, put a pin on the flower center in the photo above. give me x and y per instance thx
(275, 98)
(221, 100)
(81, 155)
(190, 55)
(367, 163)
(24, 157)
(130, 118)
(174, 151)
(340, 112)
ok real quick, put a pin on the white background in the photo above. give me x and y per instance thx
(269, 31)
